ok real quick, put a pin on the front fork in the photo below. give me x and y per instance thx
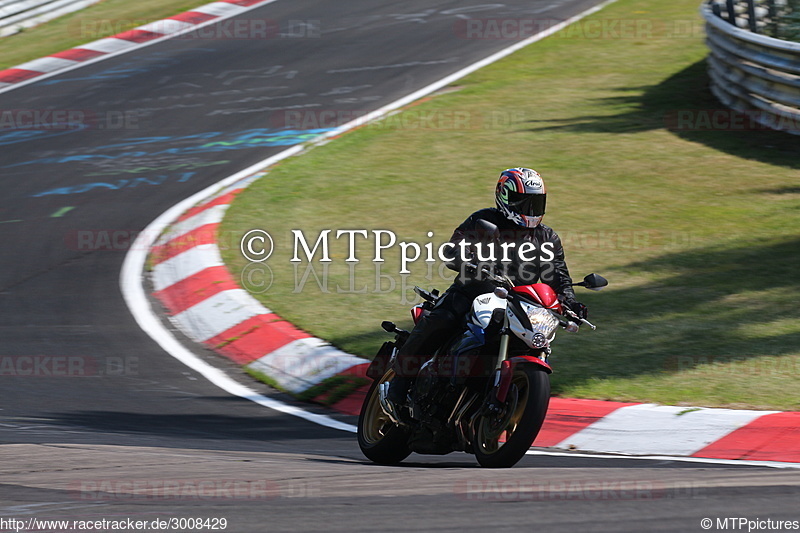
(502, 370)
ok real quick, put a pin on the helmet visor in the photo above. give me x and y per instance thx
(531, 205)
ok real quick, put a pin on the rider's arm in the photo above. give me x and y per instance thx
(561, 281)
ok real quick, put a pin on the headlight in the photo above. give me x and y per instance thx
(542, 321)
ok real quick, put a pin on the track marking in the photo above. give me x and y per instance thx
(706, 460)
(61, 212)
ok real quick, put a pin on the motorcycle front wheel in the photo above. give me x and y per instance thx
(380, 440)
(501, 440)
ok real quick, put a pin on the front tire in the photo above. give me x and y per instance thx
(501, 441)
(380, 440)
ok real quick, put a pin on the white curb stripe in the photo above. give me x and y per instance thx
(166, 26)
(649, 429)
(108, 45)
(184, 265)
(303, 363)
(212, 215)
(220, 9)
(218, 313)
(708, 460)
(47, 64)
(241, 184)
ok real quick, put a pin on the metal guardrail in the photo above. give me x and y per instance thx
(773, 18)
(16, 15)
(756, 75)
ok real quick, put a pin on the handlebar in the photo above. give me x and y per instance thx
(505, 281)
(572, 314)
(491, 276)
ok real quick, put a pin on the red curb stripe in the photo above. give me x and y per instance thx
(138, 36)
(191, 291)
(774, 437)
(16, 75)
(205, 234)
(359, 370)
(567, 416)
(352, 404)
(255, 337)
(193, 17)
(78, 54)
(222, 200)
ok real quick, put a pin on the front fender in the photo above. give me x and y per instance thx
(382, 361)
(530, 359)
(507, 370)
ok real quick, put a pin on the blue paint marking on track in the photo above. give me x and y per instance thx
(154, 61)
(119, 184)
(220, 142)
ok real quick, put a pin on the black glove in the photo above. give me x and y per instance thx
(577, 308)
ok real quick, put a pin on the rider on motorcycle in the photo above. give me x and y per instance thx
(520, 197)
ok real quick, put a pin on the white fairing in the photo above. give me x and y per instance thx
(483, 306)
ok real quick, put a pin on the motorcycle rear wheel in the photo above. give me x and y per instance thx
(501, 441)
(380, 440)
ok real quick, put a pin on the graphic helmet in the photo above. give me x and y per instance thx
(521, 196)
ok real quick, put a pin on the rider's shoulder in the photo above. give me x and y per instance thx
(547, 231)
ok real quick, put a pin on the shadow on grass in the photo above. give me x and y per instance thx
(682, 104)
(707, 307)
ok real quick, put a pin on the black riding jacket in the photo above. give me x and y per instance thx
(542, 263)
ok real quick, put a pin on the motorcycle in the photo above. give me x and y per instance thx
(485, 391)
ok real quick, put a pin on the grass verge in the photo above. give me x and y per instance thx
(98, 21)
(696, 228)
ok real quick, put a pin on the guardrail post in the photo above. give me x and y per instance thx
(731, 11)
(751, 16)
(772, 15)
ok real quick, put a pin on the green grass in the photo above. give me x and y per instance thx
(697, 231)
(98, 21)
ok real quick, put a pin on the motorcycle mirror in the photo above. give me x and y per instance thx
(593, 282)
(487, 232)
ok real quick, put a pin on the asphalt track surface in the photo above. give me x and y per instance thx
(73, 445)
